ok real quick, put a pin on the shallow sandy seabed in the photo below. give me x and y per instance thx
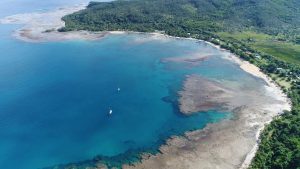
(229, 144)
(42, 26)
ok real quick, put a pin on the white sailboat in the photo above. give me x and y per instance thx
(110, 112)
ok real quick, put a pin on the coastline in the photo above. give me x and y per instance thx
(43, 27)
(32, 32)
(231, 143)
(255, 71)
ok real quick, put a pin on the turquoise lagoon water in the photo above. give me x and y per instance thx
(55, 97)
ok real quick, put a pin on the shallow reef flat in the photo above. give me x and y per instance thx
(43, 26)
(229, 144)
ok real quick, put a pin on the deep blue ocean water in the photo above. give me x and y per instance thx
(55, 96)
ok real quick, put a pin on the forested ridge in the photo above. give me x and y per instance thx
(178, 16)
(263, 32)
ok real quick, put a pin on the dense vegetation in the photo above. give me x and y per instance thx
(194, 16)
(264, 32)
(273, 45)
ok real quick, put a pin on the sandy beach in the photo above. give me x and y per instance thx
(230, 144)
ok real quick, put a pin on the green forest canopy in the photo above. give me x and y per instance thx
(269, 16)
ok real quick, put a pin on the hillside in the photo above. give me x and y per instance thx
(176, 16)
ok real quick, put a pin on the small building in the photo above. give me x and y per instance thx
(257, 56)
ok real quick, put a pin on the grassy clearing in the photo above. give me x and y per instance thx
(281, 81)
(282, 50)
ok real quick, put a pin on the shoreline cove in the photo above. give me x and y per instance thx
(228, 144)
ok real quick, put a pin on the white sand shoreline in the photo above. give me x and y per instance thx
(255, 71)
(35, 26)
